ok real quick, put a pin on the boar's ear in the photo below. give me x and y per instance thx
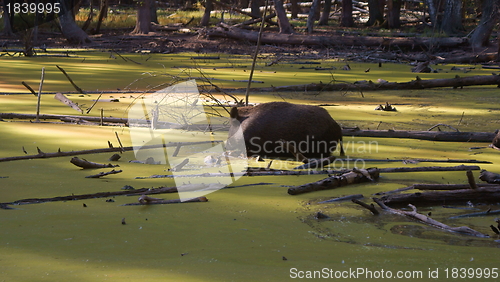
(234, 112)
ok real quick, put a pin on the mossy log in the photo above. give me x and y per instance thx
(490, 194)
(352, 177)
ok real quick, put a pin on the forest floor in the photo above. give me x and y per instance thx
(194, 40)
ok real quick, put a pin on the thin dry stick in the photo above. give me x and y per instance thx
(39, 96)
(70, 80)
(247, 93)
(29, 88)
(119, 141)
(97, 100)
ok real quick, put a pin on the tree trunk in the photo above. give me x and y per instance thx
(284, 24)
(326, 13)
(209, 6)
(7, 21)
(154, 15)
(255, 8)
(432, 11)
(312, 15)
(452, 18)
(347, 20)
(70, 30)
(376, 12)
(143, 22)
(295, 9)
(481, 35)
(393, 13)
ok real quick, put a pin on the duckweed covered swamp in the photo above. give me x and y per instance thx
(254, 231)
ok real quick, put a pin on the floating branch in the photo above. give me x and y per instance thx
(447, 186)
(313, 172)
(70, 80)
(369, 207)
(430, 168)
(162, 202)
(83, 163)
(103, 150)
(485, 213)
(66, 101)
(333, 182)
(101, 174)
(29, 88)
(423, 135)
(142, 191)
(429, 221)
(345, 198)
(481, 194)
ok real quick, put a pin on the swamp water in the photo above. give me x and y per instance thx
(242, 234)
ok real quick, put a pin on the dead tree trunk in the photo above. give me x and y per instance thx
(414, 215)
(284, 24)
(489, 17)
(297, 39)
(70, 30)
(143, 21)
(481, 194)
(456, 82)
(346, 19)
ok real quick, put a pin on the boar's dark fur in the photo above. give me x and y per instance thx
(310, 128)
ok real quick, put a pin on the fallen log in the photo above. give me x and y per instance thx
(101, 174)
(333, 182)
(430, 168)
(46, 116)
(163, 202)
(312, 172)
(489, 194)
(345, 198)
(485, 213)
(447, 186)
(227, 31)
(42, 155)
(414, 215)
(423, 135)
(371, 86)
(83, 163)
(142, 191)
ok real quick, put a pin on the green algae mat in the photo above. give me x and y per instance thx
(250, 232)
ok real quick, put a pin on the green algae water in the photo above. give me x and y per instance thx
(247, 233)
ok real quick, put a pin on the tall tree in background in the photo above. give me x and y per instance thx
(431, 8)
(143, 21)
(7, 20)
(490, 16)
(312, 15)
(325, 16)
(376, 12)
(452, 18)
(393, 13)
(209, 6)
(346, 19)
(295, 9)
(255, 8)
(283, 22)
(70, 30)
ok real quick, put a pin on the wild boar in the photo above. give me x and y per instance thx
(310, 129)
